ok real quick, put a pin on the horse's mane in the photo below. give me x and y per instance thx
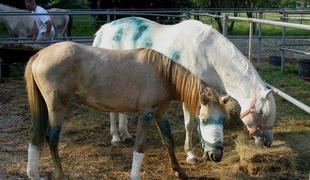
(186, 85)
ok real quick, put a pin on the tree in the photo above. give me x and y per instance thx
(137, 4)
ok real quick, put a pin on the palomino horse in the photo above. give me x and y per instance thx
(148, 82)
(21, 26)
(206, 53)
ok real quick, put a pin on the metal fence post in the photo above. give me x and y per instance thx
(260, 16)
(225, 20)
(188, 15)
(0, 68)
(108, 18)
(284, 16)
(250, 40)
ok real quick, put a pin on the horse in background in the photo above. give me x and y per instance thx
(209, 55)
(21, 26)
(147, 84)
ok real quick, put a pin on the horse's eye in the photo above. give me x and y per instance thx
(204, 121)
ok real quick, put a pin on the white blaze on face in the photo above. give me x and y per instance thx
(211, 127)
(33, 162)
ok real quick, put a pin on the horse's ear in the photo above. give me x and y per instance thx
(266, 93)
(203, 99)
(206, 95)
(225, 98)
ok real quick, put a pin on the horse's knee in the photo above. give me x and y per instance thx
(53, 135)
(165, 127)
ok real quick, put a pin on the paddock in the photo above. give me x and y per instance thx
(86, 151)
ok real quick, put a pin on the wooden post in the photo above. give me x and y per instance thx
(225, 19)
(260, 16)
(250, 40)
(283, 42)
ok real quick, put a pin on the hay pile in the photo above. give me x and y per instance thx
(275, 162)
(233, 110)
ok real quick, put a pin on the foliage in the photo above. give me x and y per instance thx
(69, 4)
(248, 3)
(140, 4)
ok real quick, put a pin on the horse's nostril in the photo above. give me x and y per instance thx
(215, 156)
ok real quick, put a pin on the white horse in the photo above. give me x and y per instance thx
(206, 53)
(21, 26)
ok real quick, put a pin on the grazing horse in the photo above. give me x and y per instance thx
(147, 83)
(206, 53)
(21, 26)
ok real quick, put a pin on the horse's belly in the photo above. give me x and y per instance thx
(110, 102)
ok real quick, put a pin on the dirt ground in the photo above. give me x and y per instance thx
(86, 151)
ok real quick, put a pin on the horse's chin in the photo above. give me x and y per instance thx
(214, 155)
(263, 141)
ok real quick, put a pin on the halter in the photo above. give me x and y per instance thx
(253, 131)
(216, 145)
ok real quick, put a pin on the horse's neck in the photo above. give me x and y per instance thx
(12, 21)
(238, 76)
(8, 8)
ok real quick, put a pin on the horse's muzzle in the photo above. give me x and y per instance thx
(214, 155)
(265, 141)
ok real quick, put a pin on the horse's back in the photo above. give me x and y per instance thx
(122, 79)
(180, 42)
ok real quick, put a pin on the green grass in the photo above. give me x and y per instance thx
(83, 25)
(242, 28)
(3, 30)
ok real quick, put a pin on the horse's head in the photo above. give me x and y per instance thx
(212, 116)
(259, 118)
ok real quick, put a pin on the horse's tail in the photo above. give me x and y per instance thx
(38, 108)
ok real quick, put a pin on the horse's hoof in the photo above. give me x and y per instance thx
(180, 174)
(125, 136)
(192, 160)
(128, 141)
(116, 143)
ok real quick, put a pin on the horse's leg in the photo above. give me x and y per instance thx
(165, 131)
(188, 144)
(56, 117)
(116, 140)
(33, 161)
(123, 129)
(138, 154)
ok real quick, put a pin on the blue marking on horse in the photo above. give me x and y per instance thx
(134, 20)
(219, 121)
(141, 29)
(148, 42)
(148, 117)
(165, 126)
(118, 35)
(53, 134)
(176, 56)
